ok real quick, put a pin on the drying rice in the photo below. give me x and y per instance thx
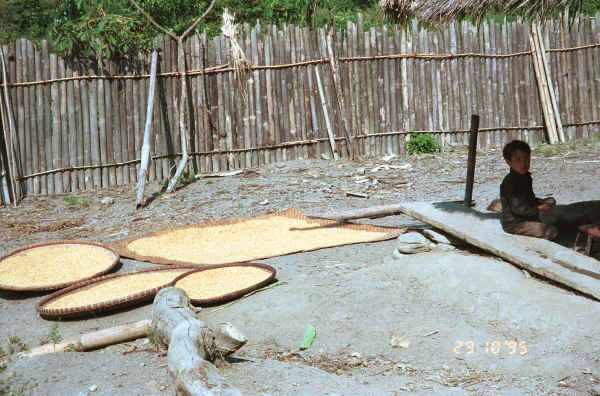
(50, 265)
(217, 282)
(247, 240)
(115, 289)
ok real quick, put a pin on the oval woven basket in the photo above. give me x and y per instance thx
(109, 292)
(55, 265)
(217, 284)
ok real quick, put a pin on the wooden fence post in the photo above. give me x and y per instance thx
(9, 136)
(145, 158)
(326, 114)
(472, 158)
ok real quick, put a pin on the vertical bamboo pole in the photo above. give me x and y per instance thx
(326, 115)
(471, 159)
(341, 107)
(145, 157)
(55, 109)
(9, 136)
(548, 76)
(72, 132)
(64, 131)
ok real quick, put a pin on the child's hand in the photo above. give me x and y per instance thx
(547, 204)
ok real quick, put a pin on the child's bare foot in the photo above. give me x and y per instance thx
(591, 229)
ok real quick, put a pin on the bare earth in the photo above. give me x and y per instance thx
(466, 322)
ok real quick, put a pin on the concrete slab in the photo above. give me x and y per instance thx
(539, 256)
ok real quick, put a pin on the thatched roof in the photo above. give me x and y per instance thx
(443, 11)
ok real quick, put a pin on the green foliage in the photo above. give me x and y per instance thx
(73, 202)
(421, 143)
(53, 335)
(85, 30)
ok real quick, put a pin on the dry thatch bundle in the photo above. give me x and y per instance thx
(442, 11)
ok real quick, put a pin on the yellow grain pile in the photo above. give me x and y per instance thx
(54, 264)
(216, 282)
(114, 289)
(247, 240)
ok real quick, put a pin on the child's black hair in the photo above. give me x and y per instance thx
(515, 145)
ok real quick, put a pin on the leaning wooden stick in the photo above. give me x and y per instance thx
(95, 339)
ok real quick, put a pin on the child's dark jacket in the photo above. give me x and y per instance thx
(518, 200)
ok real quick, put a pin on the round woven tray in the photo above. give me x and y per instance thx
(217, 284)
(54, 265)
(109, 292)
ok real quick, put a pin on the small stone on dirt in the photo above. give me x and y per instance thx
(437, 237)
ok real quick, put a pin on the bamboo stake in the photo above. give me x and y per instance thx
(542, 88)
(326, 114)
(9, 140)
(555, 109)
(145, 157)
(340, 99)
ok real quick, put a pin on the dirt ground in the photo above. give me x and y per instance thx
(468, 322)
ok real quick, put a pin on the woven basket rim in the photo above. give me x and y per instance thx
(105, 305)
(57, 286)
(121, 246)
(223, 298)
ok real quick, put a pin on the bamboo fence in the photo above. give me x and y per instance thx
(80, 130)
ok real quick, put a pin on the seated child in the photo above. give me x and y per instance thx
(522, 210)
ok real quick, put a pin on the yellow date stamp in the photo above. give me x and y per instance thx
(491, 347)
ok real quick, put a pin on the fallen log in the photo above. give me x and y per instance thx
(192, 345)
(94, 339)
(370, 212)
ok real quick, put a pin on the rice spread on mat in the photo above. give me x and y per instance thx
(54, 264)
(220, 281)
(246, 240)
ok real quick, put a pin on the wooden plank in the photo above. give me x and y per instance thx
(512, 89)
(283, 104)
(18, 99)
(228, 110)
(55, 153)
(270, 156)
(583, 82)
(388, 90)
(594, 59)
(94, 133)
(108, 122)
(86, 130)
(35, 115)
(64, 138)
(260, 93)
(32, 154)
(404, 71)
(42, 181)
(540, 256)
(396, 101)
(362, 96)
(309, 97)
(370, 107)
(378, 78)
(102, 132)
(116, 126)
(72, 131)
(296, 119)
(79, 128)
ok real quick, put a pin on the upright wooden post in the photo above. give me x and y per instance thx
(326, 114)
(145, 159)
(471, 159)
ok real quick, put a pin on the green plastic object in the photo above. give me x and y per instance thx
(309, 336)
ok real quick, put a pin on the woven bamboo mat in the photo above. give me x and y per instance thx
(242, 240)
(217, 284)
(54, 265)
(109, 292)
